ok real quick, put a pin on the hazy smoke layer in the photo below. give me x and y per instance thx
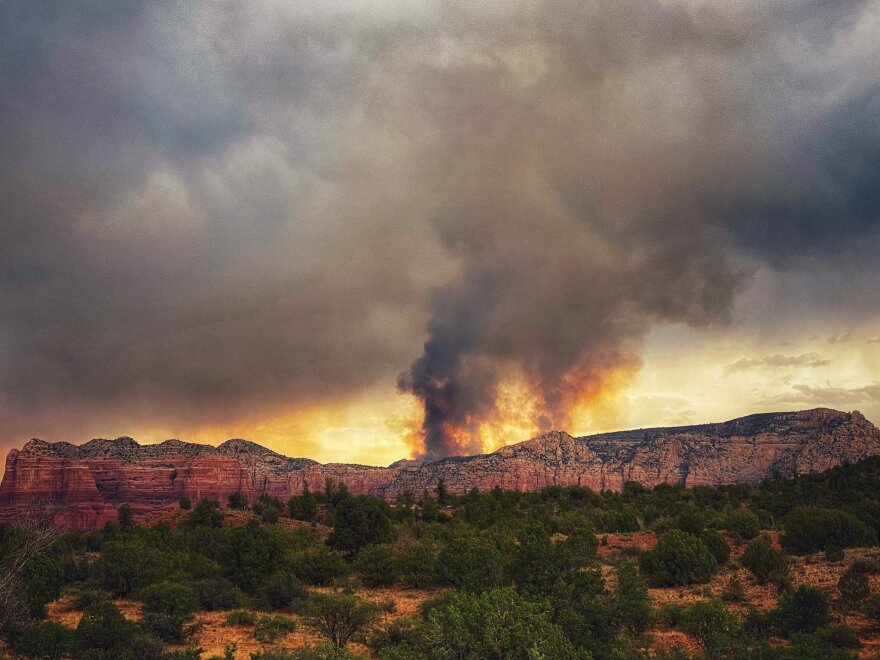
(216, 209)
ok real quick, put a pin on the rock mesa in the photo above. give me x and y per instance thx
(86, 483)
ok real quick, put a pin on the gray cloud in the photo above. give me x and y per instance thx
(217, 208)
(778, 361)
(830, 395)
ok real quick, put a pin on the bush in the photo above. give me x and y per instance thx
(716, 544)
(166, 627)
(319, 651)
(804, 610)
(303, 507)
(743, 523)
(377, 565)
(359, 521)
(679, 558)
(808, 529)
(494, 624)
(538, 563)
(284, 589)
(471, 563)
(272, 627)
(869, 566)
(415, 564)
(268, 508)
(237, 501)
(834, 553)
(206, 514)
(170, 598)
(339, 617)
(217, 594)
(185, 503)
(83, 598)
(871, 607)
(319, 565)
(690, 519)
(765, 562)
(854, 586)
(46, 639)
(241, 618)
(125, 517)
(632, 606)
(840, 636)
(711, 623)
(734, 592)
(103, 628)
(131, 564)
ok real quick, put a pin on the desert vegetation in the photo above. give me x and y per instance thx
(783, 570)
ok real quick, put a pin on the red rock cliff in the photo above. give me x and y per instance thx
(88, 482)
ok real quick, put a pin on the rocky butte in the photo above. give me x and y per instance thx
(86, 483)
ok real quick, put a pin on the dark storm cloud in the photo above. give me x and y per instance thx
(215, 208)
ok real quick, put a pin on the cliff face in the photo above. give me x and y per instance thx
(88, 482)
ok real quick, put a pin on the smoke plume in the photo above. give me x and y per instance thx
(221, 210)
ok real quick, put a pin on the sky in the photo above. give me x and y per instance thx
(360, 231)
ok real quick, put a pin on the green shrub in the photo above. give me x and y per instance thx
(46, 639)
(494, 624)
(185, 503)
(808, 529)
(319, 651)
(272, 627)
(128, 565)
(206, 514)
(743, 523)
(713, 625)
(854, 586)
(319, 565)
(283, 589)
(834, 553)
(871, 607)
(803, 610)
(339, 617)
(765, 562)
(632, 605)
(166, 627)
(104, 629)
(83, 597)
(616, 521)
(734, 592)
(415, 564)
(471, 563)
(268, 508)
(690, 519)
(145, 646)
(241, 618)
(170, 598)
(377, 565)
(125, 517)
(679, 558)
(303, 507)
(716, 544)
(359, 521)
(217, 594)
(869, 566)
(237, 501)
(840, 636)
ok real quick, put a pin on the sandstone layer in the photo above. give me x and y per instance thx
(86, 483)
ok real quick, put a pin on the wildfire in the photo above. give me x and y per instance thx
(584, 404)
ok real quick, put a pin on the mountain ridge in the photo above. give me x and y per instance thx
(88, 481)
